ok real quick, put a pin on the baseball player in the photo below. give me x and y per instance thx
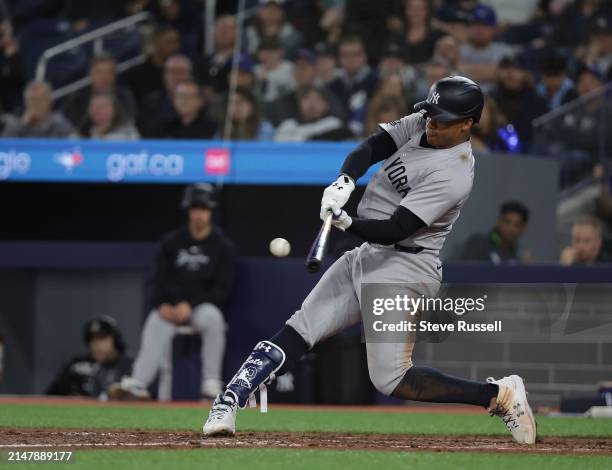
(404, 216)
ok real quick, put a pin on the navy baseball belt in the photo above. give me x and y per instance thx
(408, 249)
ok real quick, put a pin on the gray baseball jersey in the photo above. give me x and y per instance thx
(432, 183)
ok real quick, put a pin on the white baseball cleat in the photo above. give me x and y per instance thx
(512, 407)
(222, 417)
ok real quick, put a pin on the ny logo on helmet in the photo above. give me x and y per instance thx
(435, 97)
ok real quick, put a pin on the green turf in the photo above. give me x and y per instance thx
(92, 416)
(320, 459)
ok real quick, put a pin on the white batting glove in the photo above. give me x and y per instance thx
(342, 221)
(336, 195)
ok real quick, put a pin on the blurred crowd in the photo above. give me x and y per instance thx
(317, 70)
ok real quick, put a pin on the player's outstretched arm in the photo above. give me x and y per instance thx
(374, 149)
(402, 224)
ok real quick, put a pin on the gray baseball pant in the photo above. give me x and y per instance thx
(155, 352)
(335, 303)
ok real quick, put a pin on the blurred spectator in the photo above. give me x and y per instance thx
(194, 273)
(493, 131)
(516, 12)
(332, 22)
(90, 14)
(355, 83)
(517, 98)
(393, 86)
(315, 121)
(147, 77)
(481, 54)
(604, 202)
(191, 121)
(103, 77)
(419, 36)
(287, 105)
(38, 118)
(213, 70)
(392, 64)
(105, 119)
(501, 245)
(585, 247)
(447, 51)
(555, 85)
(453, 18)
(370, 20)
(246, 120)
(381, 109)
(326, 66)
(12, 76)
(105, 363)
(571, 27)
(271, 23)
(157, 107)
(243, 77)
(585, 127)
(433, 71)
(274, 75)
(599, 55)
(184, 15)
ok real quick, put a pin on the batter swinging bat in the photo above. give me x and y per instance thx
(317, 251)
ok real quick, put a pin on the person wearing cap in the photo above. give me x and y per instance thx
(555, 85)
(93, 373)
(516, 97)
(326, 65)
(480, 55)
(194, 273)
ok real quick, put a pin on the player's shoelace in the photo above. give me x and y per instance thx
(510, 419)
(220, 408)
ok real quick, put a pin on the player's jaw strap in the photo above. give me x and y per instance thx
(257, 371)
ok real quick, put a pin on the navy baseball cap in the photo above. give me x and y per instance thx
(244, 63)
(484, 15)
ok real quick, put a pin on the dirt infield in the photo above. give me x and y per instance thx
(69, 439)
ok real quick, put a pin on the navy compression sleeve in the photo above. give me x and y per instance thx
(374, 149)
(400, 225)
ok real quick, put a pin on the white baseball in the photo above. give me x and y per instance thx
(280, 247)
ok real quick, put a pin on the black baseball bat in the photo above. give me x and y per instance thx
(319, 246)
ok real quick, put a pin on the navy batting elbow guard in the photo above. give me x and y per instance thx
(257, 370)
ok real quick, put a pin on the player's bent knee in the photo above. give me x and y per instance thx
(208, 316)
(386, 379)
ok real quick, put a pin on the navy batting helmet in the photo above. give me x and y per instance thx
(104, 326)
(199, 195)
(452, 99)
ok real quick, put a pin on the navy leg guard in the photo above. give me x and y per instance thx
(258, 369)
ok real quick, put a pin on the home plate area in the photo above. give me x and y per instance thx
(26, 439)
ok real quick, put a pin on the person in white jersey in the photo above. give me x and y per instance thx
(408, 208)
